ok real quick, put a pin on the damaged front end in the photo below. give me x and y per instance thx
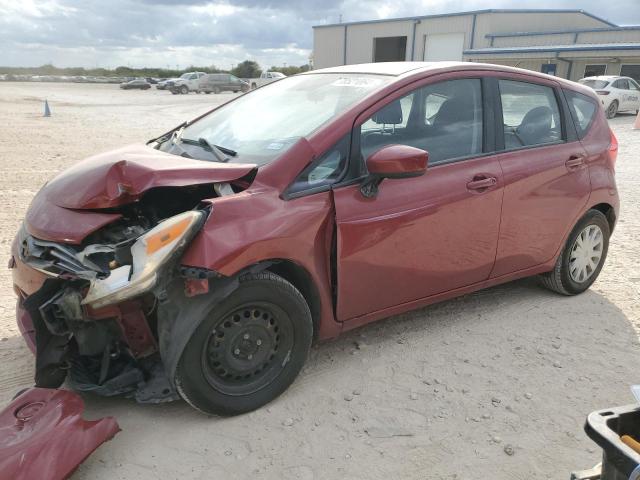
(95, 315)
(96, 265)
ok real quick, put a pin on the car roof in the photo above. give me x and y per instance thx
(408, 70)
(385, 68)
(399, 69)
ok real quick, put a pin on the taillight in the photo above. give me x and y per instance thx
(603, 92)
(613, 149)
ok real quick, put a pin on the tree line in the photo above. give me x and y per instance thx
(246, 69)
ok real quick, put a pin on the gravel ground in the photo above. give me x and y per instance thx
(493, 385)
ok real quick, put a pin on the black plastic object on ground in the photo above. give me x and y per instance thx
(605, 427)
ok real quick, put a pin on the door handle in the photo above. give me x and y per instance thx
(482, 183)
(575, 162)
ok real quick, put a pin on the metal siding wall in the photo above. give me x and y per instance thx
(328, 44)
(527, 22)
(528, 40)
(622, 36)
(360, 39)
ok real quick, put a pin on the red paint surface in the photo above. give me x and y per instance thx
(119, 177)
(419, 237)
(43, 435)
(395, 160)
(25, 325)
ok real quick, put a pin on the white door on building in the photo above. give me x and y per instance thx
(443, 46)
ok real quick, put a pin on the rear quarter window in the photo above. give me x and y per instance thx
(583, 110)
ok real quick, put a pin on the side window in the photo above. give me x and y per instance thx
(583, 110)
(530, 114)
(325, 170)
(445, 119)
(617, 84)
(633, 85)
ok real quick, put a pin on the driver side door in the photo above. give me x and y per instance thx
(422, 236)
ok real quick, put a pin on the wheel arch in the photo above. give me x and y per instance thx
(608, 211)
(299, 277)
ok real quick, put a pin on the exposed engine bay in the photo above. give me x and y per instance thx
(96, 315)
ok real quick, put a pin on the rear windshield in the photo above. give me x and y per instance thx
(594, 83)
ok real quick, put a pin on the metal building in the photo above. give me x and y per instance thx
(568, 43)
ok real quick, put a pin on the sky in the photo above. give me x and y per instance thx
(178, 33)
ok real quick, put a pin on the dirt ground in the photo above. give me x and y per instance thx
(494, 385)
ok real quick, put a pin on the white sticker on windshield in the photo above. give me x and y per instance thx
(356, 82)
(275, 146)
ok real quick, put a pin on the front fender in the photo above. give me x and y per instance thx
(257, 225)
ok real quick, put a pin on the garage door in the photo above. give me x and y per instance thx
(632, 71)
(446, 46)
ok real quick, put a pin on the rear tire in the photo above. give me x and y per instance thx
(576, 268)
(248, 349)
(612, 111)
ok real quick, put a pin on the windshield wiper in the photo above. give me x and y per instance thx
(226, 150)
(202, 142)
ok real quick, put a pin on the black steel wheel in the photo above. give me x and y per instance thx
(248, 349)
(245, 349)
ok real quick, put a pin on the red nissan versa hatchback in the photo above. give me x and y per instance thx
(202, 264)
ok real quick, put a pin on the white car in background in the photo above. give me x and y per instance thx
(618, 94)
(265, 78)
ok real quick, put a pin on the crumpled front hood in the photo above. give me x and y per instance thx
(121, 176)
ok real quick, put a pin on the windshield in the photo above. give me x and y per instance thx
(594, 83)
(186, 76)
(260, 126)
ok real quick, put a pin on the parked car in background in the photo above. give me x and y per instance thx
(617, 94)
(188, 82)
(138, 84)
(222, 82)
(266, 78)
(162, 83)
(203, 263)
(151, 80)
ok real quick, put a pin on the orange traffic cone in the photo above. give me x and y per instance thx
(636, 124)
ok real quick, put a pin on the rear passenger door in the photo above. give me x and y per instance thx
(545, 174)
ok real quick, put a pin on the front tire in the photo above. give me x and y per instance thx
(612, 111)
(184, 90)
(248, 349)
(582, 257)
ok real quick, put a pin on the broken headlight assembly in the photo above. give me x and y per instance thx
(149, 252)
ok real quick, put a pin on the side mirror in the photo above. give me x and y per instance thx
(393, 161)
